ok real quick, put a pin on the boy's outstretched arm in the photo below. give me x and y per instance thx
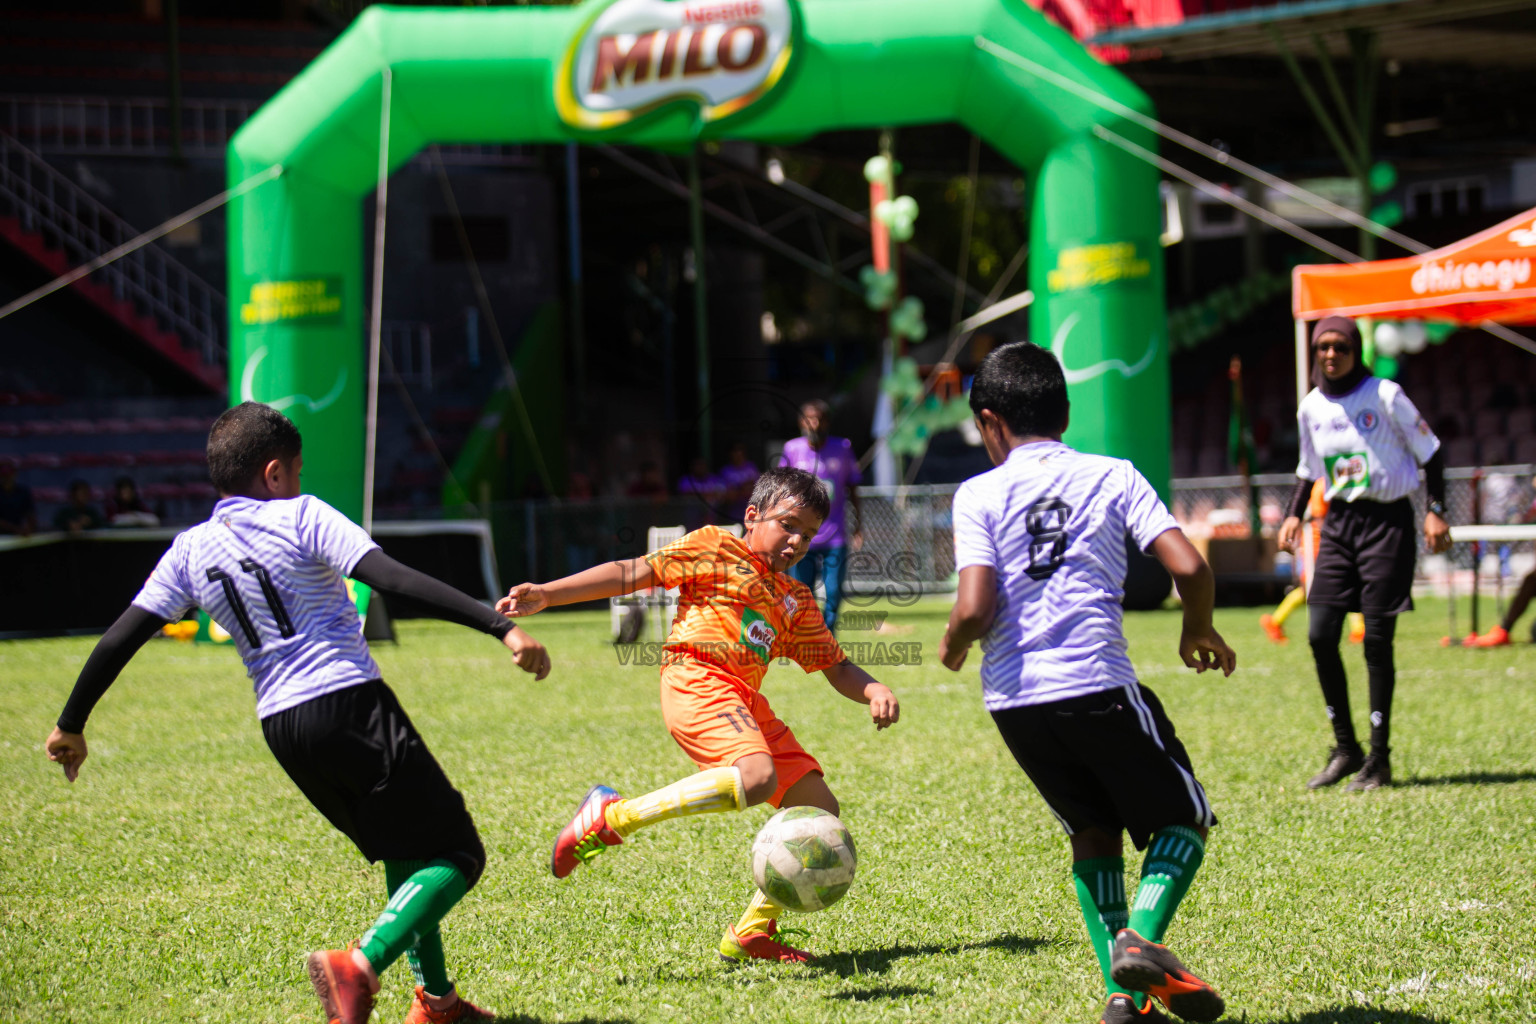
(132, 630)
(854, 683)
(611, 579)
(1200, 645)
(971, 617)
(450, 604)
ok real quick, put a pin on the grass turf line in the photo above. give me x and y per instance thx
(183, 877)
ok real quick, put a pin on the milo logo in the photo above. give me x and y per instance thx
(637, 55)
(756, 634)
(1349, 471)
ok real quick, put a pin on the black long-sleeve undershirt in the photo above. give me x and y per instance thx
(1434, 485)
(117, 645)
(381, 572)
(135, 627)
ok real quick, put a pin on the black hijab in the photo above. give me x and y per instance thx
(1351, 380)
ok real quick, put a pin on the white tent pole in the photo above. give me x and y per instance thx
(376, 317)
(1303, 369)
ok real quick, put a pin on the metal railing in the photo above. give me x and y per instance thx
(70, 220)
(409, 347)
(121, 125)
(144, 126)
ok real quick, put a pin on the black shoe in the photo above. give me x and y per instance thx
(1376, 773)
(1122, 1010)
(1342, 761)
(1143, 966)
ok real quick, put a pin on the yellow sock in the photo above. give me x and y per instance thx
(1356, 624)
(718, 789)
(760, 913)
(1288, 605)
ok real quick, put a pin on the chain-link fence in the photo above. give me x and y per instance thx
(1217, 505)
(908, 542)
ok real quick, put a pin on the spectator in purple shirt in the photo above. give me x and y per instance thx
(708, 488)
(830, 460)
(738, 475)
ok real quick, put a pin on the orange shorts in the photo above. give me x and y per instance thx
(718, 720)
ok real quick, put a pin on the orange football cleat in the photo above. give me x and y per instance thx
(1498, 636)
(1273, 629)
(343, 988)
(461, 1010)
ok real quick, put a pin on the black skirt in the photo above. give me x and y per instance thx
(1365, 558)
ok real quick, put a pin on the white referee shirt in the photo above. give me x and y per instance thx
(1052, 523)
(273, 574)
(1367, 444)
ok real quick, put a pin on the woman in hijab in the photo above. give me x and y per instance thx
(1362, 436)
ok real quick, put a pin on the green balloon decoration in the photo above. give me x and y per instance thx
(1382, 176)
(879, 289)
(919, 416)
(899, 215)
(880, 170)
(1388, 214)
(907, 319)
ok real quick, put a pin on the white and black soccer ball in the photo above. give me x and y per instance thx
(803, 859)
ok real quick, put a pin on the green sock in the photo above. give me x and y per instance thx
(1173, 857)
(1100, 883)
(414, 909)
(428, 965)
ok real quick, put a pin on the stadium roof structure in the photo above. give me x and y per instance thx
(1437, 31)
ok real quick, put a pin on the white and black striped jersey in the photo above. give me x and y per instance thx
(1052, 522)
(1367, 444)
(273, 573)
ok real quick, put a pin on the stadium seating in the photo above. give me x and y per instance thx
(158, 442)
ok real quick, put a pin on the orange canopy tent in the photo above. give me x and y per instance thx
(1487, 277)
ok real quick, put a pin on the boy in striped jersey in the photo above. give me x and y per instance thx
(1040, 548)
(270, 566)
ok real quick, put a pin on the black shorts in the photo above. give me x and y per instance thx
(358, 758)
(1365, 558)
(1107, 760)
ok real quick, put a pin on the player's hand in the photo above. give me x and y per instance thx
(884, 708)
(1290, 532)
(1436, 533)
(1207, 650)
(952, 657)
(523, 599)
(67, 749)
(527, 653)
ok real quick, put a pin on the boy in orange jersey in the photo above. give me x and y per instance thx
(737, 611)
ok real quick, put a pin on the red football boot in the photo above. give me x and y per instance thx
(587, 834)
(760, 946)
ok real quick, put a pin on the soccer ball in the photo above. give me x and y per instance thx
(803, 859)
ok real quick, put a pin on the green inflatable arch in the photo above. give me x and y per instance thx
(666, 74)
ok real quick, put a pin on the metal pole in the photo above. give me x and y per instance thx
(173, 74)
(573, 249)
(376, 326)
(1303, 367)
(700, 298)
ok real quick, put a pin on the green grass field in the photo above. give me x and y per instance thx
(183, 877)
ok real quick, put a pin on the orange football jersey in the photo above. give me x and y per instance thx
(734, 611)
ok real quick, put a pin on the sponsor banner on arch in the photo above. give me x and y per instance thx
(637, 56)
(1485, 277)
